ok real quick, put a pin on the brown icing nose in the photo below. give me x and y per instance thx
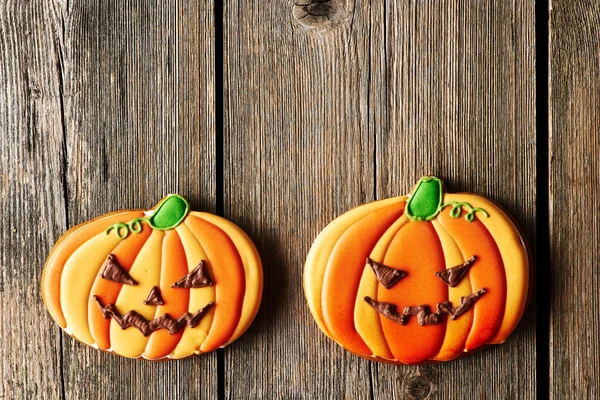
(154, 298)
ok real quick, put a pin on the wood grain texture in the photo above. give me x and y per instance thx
(32, 202)
(105, 108)
(140, 124)
(459, 103)
(328, 104)
(298, 152)
(574, 198)
(331, 104)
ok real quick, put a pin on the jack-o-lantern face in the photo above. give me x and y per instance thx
(444, 274)
(197, 278)
(388, 277)
(165, 283)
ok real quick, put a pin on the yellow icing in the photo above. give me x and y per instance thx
(457, 330)
(514, 256)
(368, 323)
(192, 338)
(252, 269)
(319, 253)
(145, 270)
(77, 279)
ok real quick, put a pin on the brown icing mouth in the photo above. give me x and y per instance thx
(135, 319)
(423, 313)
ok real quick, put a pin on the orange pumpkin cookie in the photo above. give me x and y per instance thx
(418, 278)
(163, 283)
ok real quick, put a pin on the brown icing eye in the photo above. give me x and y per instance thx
(453, 276)
(387, 276)
(113, 271)
(154, 298)
(197, 278)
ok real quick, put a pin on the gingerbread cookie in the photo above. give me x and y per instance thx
(418, 278)
(163, 283)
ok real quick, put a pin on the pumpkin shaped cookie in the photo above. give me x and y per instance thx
(418, 278)
(162, 283)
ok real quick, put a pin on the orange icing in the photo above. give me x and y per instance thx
(228, 277)
(487, 272)
(108, 291)
(416, 249)
(174, 265)
(343, 273)
(63, 249)
(458, 330)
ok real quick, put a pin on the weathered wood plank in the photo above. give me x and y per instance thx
(458, 101)
(32, 201)
(139, 116)
(298, 152)
(574, 197)
(411, 88)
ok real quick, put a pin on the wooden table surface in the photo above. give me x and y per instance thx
(281, 115)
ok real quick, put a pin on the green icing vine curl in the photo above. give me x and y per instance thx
(134, 226)
(456, 210)
(169, 213)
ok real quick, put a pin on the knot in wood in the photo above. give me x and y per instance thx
(417, 387)
(321, 13)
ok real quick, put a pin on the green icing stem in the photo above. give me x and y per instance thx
(425, 203)
(168, 215)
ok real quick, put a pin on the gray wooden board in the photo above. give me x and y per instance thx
(125, 95)
(458, 101)
(33, 207)
(574, 198)
(298, 152)
(329, 105)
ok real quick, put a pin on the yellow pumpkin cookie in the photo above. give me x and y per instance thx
(162, 283)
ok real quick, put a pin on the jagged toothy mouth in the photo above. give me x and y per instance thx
(423, 313)
(165, 321)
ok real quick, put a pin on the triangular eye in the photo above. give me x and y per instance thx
(387, 276)
(197, 278)
(453, 276)
(154, 298)
(113, 271)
